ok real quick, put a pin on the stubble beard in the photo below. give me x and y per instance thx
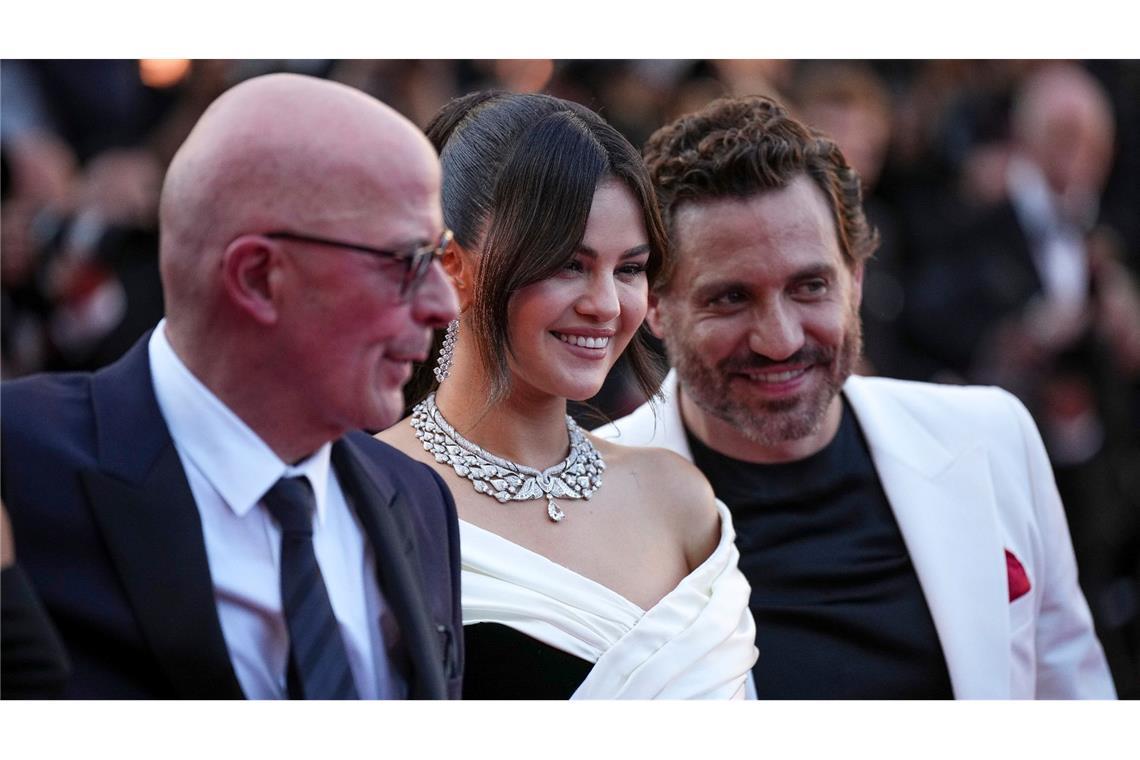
(766, 423)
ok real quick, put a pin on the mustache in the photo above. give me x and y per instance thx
(752, 361)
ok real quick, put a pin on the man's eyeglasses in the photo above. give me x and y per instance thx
(417, 261)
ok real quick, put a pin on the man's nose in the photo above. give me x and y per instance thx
(434, 302)
(777, 332)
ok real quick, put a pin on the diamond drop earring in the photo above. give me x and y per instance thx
(443, 363)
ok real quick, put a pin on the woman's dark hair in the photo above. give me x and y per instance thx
(519, 176)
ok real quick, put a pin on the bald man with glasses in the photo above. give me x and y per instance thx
(203, 518)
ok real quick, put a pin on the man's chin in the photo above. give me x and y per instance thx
(782, 428)
(777, 406)
(386, 412)
(773, 422)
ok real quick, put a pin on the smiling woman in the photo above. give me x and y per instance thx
(583, 561)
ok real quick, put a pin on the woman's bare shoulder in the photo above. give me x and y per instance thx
(669, 481)
(673, 468)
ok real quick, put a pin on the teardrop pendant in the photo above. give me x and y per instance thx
(553, 511)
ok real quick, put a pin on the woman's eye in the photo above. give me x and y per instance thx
(632, 270)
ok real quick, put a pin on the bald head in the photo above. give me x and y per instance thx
(1063, 121)
(281, 151)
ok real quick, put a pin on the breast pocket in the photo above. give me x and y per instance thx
(1022, 613)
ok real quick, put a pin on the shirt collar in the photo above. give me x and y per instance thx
(237, 463)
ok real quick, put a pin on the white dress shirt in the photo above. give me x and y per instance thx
(1057, 247)
(229, 469)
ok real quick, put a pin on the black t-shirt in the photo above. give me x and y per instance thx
(839, 610)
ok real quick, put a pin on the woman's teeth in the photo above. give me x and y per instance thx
(582, 340)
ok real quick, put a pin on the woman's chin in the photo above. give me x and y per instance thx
(572, 386)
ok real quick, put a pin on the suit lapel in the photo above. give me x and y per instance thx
(382, 512)
(944, 504)
(145, 510)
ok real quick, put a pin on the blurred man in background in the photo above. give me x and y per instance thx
(1033, 294)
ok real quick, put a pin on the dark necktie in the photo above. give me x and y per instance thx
(318, 662)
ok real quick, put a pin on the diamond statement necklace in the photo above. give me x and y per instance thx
(576, 477)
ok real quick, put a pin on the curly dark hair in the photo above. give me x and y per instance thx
(737, 147)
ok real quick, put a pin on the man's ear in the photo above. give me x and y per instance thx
(460, 263)
(653, 316)
(248, 275)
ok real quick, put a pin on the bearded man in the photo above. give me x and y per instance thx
(903, 540)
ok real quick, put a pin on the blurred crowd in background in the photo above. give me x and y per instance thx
(1006, 195)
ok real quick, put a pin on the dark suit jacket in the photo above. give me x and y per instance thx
(33, 664)
(107, 529)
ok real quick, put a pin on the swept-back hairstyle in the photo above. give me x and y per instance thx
(737, 147)
(519, 176)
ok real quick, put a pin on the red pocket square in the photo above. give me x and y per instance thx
(1018, 580)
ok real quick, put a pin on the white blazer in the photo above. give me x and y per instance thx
(967, 476)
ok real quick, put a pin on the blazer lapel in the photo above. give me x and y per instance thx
(381, 509)
(672, 425)
(146, 512)
(944, 504)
